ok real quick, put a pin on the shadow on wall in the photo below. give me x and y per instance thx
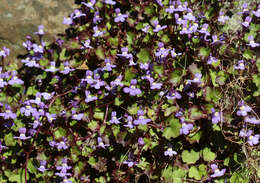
(19, 18)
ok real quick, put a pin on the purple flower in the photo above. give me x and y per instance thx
(185, 28)
(62, 174)
(215, 39)
(8, 114)
(217, 172)
(247, 21)
(51, 117)
(141, 120)
(147, 76)
(160, 2)
(257, 12)
(173, 95)
(119, 16)
(253, 139)
(108, 66)
(38, 48)
(28, 110)
(144, 66)
(181, 7)
(240, 65)
(244, 133)
(141, 141)
(2, 82)
(132, 90)
(65, 180)
(62, 144)
(86, 44)
(5, 52)
(40, 30)
(170, 152)
(179, 20)
(14, 79)
(97, 32)
(189, 15)
(97, 83)
(216, 116)
(89, 4)
(145, 28)
(161, 51)
(196, 79)
(212, 60)
(42, 166)
(110, 2)
(101, 143)
(117, 81)
(27, 44)
(77, 13)
(77, 116)
(129, 163)
(52, 68)
(47, 96)
(174, 54)
(221, 17)
(97, 18)
(245, 9)
(89, 97)
(36, 123)
(67, 68)
(171, 8)
(125, 53)
(67, 20)
(64, 166)
(22, 136)
(252, 42)
(2, 147)
(30, 63)
(157, 26)
(186, 128)
(204, 29)
(114, 119)
(129, 122)
(154, 85)
(243, 109)
(252, 120)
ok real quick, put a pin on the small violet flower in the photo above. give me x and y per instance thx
(257, 12)
(97, 32)
(252, 120)
(222, 18)
(62, 144)
(22, 136)
(217, 172)
(97, 18)
(216, 116)
(90, 4)
(77, 13)
(89, 97)
(132, 90)
(114, 119)
(240, 65)
(157, 26)
(170, 152)
(247, 21)
(5, 52)
(40, 30)
(108, 66)
(186, 128)
(101, 143)
(252, 42)
(42, 166)
(111, 2)
(119, 16)
(243, 109)
(125, 53)
(141, 120)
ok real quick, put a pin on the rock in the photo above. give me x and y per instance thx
(19, 18)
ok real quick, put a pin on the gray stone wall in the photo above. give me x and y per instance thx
(19, 18)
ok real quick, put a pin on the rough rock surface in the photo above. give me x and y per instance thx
(19, 18)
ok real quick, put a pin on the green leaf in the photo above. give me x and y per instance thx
(129, 74)
(100, 53)
(143, 55)
(99, 115)
(190, 157)
(248, 54)
(59, 133)
(195, 113)
(194, 173)
(9, 139)
(208, 155)
(130, 38)
(170, 110)
(92, 161)
(175, 77)
(204, 52)
(31, 167)
(159, 69)
(174, 130)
